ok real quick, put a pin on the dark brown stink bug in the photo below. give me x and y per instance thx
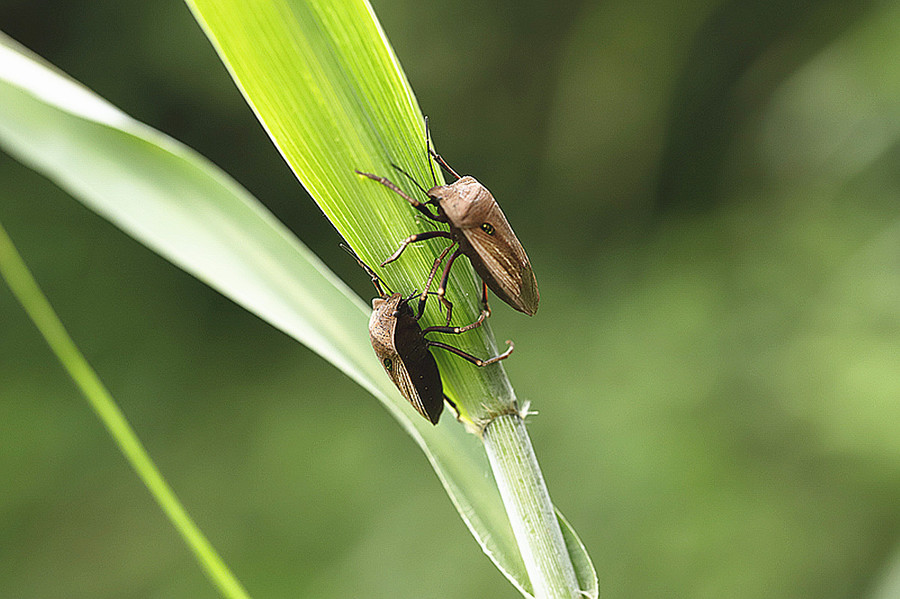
(401, 346)
(482, 233)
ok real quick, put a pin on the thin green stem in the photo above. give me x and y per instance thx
(26, 290)
(529, 508)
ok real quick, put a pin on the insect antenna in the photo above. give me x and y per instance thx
(428, 152)
(375, 279)
(440, 160)
(432, 154)
(410, 177)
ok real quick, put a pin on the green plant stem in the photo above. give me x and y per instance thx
(529, 508)
(38, 308)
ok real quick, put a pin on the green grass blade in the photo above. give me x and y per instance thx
(184, 208)
(329, 91)
(26, 290)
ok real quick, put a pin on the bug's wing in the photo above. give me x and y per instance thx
(401, 347)
(400, 376)
(423, 390)
(503, 264)
(418, 377)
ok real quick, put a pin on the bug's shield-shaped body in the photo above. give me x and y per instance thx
(480, 227)
(401, 347)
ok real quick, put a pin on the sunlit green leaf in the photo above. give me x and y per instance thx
(184, 208)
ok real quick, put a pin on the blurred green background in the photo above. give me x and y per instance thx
(709, 194)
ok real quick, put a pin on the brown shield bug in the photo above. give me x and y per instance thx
(400, 344)
(480, 231)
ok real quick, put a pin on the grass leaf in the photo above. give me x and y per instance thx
(180, 205)
(329, 91)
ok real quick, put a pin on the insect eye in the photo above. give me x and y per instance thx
(487, 228)
(387, 364)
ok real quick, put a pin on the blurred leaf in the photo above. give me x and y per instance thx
(178, 204)
(22, 284)
(888, 584)
(838, 114)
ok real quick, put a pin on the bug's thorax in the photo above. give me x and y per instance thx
(391, 315)
(383, 323)
(383, 308)
(466, 203)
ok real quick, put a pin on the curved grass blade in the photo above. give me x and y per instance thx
(330, 92)
(181, 206)
(185, 209)
(331, 95)
(38, 308)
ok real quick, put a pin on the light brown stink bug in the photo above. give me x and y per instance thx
(480, 230)
(400, 344)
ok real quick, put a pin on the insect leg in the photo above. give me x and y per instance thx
(442, 288)
(458, 330)
(486, 310)
(420, 206)
(476, 361)
(424, 297)
(413, 239)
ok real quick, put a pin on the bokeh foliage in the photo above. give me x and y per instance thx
(709, 195)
